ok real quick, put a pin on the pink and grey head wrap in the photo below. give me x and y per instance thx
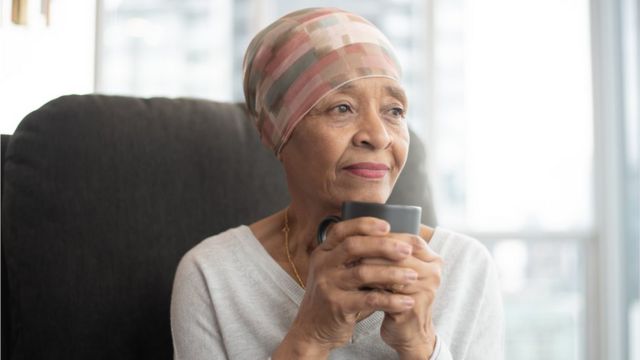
(300, 58)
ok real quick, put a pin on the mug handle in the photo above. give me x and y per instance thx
(321, 236)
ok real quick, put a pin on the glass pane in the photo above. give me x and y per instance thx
(196, 47)
(166, 48)
(512, 134)
(39, 63)
(543, 297)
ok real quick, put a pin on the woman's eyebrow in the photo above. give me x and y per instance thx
(345, 88)
(391, 90)
(397, 92)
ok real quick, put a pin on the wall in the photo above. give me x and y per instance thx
(40, 62)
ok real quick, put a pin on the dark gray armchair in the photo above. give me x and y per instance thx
(102, 195)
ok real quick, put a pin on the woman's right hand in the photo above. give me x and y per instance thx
(333, 298)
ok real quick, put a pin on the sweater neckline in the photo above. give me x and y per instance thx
(255, 251)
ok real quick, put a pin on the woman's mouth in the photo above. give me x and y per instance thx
(368, 170)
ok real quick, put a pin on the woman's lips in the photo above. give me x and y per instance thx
(368, 170)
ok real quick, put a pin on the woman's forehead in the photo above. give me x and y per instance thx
(390, 87)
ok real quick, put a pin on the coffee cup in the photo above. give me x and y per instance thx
(401, 218)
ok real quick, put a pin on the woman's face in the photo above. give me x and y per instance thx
(351, 146)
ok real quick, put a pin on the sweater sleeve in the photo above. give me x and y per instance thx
(487, 341)
(194, 327)
(468, 313)
(441, 352)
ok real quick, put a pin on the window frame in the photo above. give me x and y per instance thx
(607, 330)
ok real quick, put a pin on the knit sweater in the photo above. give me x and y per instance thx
(231, 300)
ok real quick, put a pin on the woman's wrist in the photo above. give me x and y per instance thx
(416, 353)
(296, 346)
(420, 351)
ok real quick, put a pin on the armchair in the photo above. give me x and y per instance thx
(102, 195)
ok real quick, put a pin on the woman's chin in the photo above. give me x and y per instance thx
(380, 196)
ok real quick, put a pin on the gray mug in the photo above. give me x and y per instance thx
(401, 218)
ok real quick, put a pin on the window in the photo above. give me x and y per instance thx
(166, 48)
(631, 175)
(40, 62)
(511, 148)
(195, 47)
(615, 25)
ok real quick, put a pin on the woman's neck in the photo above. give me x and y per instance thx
(303, 223)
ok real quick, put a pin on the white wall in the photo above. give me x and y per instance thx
(39, 63)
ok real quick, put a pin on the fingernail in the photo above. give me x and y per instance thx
(408, 302)
(421, 242)
(411, 275)
(383, 226)
(404, 249)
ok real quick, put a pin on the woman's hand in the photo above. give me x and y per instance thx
(333, 299)
(411, 332)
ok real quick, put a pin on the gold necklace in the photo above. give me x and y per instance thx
(285, 229)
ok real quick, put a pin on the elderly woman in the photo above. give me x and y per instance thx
(324, 88)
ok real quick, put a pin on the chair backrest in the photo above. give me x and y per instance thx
(102, 195)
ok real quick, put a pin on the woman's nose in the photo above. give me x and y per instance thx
(372, 132)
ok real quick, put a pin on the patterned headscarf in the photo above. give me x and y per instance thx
(297, 60)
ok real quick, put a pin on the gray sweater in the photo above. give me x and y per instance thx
(231, 300)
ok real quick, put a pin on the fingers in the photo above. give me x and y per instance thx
(368, 238)
(370, 226)
(394, 247)
(376, 277)
(357, 247)
(376, 300)
(338, 232)
(420, 247)
(429, 274)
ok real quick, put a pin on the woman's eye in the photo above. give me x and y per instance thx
(343, 108)
(397, 112)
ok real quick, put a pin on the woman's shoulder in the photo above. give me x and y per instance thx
(215, 248)
(468, 271)
(460, 249)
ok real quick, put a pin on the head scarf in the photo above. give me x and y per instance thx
(297, 60)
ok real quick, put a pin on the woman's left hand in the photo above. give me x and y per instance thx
(411, 333)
